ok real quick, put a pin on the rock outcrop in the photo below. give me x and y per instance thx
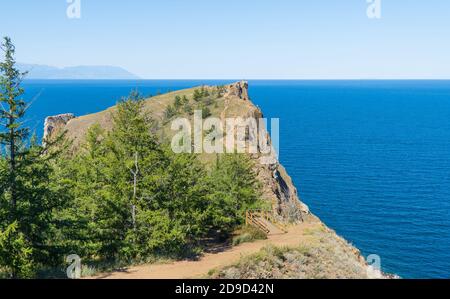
(53, 124)
(239, 89)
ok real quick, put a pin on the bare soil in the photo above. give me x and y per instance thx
(218, 258)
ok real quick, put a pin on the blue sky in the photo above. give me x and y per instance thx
(248, 39)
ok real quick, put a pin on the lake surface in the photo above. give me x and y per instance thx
(370, 158)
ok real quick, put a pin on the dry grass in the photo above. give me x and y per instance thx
(156, 107)
(325, 255)
(248, 234)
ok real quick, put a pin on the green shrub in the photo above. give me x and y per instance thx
(188, 109)
(197, 95)
(178, 102)
(208, 102)
(170, 112)
(200, 94)
(206, 112)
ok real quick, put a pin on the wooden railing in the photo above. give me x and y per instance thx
(252, 218)
(274, 221)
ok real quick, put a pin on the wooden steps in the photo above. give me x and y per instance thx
(264, 221)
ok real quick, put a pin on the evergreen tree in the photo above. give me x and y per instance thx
(118, 181)
(234, 189)
(197, 95)
(15, 253)
(206, 112)
(178, 103)
(15, 250)
(28, 197)
(12, 111)
(170, 112)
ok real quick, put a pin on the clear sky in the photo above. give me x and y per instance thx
(248, 39)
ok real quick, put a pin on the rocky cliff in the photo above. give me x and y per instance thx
(55, 123)
(332, 253)
(277, 184)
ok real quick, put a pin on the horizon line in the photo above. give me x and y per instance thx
(247, 79)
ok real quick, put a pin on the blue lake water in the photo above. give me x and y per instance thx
(370, 158)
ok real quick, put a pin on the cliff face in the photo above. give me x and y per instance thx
(55, 123)
(277, 186)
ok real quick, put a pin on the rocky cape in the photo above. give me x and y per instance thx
(278, 189)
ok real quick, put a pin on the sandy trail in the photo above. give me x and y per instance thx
(199, 268)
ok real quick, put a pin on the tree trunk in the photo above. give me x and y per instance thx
(135, 173)
(12, 164)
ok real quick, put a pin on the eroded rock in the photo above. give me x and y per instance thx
(54, 123)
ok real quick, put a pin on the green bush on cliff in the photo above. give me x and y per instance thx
(206, 112)
(178, 103)
(170, 112)
(188, 109)
(197, 95)
(200, 94)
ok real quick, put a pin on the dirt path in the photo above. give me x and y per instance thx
(199, 268)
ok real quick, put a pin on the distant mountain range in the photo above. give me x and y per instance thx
(36, 71)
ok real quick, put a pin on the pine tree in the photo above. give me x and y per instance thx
(234, 189)
(116, 177)
(12, 137)
(135, 197)
(12, 111)
(14, 252)
(178, 103)
(197, 95)
(28, 196)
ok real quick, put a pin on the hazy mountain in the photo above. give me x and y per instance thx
(75, 72)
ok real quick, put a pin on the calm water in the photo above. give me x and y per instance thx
(370, 158)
